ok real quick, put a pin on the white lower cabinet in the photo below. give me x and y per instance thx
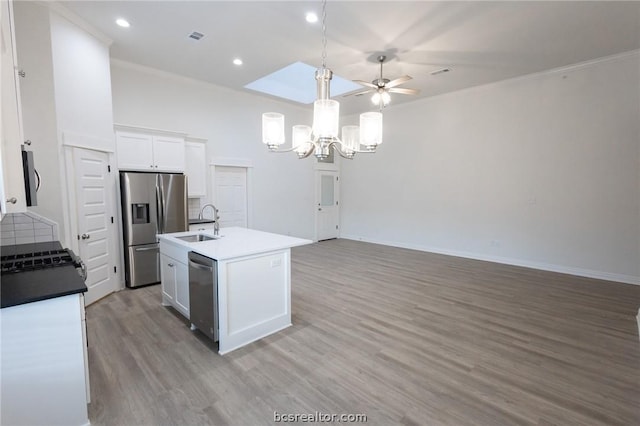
(182, 288)
(43, 369)
(175, 284)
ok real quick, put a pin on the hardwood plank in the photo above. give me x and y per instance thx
(405, 337)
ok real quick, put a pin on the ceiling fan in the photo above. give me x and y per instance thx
(381, 87)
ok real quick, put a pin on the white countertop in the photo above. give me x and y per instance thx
(234, 242)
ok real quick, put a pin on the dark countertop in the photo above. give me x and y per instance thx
(199, 221)
(32, 286)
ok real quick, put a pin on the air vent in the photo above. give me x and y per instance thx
(196, 35)
(440, 71)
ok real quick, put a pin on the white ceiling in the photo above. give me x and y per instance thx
(480, 41)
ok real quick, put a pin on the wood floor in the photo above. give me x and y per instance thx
(404, 337)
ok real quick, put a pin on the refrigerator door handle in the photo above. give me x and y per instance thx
(147, 248)
(160, 209)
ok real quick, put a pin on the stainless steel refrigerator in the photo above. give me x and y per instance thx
(152, 203)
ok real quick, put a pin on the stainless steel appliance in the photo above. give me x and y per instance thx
(152, 203)
(203, 294)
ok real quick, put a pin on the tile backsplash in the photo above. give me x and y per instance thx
(24, 228)
(194, 208)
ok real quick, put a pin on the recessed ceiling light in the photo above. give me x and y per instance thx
(237, 61)
(311, 17)
(123, 23)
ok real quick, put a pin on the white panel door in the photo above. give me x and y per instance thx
(231, 195)
(328, 213)
(96, 233)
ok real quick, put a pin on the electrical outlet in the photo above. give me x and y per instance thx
(495, 243)
(275, 263)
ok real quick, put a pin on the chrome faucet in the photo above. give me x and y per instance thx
(216, 218)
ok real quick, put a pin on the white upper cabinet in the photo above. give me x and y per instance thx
(11, 177)
(195, 167)
(150, 151)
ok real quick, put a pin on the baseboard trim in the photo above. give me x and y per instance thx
(581, 272)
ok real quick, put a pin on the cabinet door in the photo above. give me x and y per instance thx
(12, 196)
(168, 153)
(196, 168)
(168, 278)
(182, 288)
(135, 151)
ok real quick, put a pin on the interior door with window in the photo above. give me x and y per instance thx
(95, 209)
(328, 207)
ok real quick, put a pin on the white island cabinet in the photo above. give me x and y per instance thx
(254, 281)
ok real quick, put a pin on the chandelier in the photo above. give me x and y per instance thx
(322, 136)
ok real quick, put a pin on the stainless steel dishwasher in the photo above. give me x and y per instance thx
(203, 294)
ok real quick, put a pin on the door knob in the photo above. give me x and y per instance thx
(12, 200)
(85, 236)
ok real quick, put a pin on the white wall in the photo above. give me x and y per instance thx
(33, 39)
(66, 98)
(82, 85)
(541, 171)
(231, 123)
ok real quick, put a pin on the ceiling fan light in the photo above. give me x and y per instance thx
(386, 98)
(381, 97)
(371, 129)
(272, 129)
(326, 115)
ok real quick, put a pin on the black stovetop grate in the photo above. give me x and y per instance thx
(36, 260)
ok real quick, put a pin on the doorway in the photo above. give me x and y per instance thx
(94, 206)
(230, 195)
(327, 204)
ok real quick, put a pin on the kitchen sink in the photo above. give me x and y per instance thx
(197, 238)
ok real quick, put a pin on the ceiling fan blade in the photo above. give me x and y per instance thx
(357, 92)
(404, 91)
(365, 83)
(365, 92)
(398, 81)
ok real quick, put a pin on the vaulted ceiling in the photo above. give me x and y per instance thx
(480, 42)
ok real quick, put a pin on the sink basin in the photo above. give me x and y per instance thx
(197, 238)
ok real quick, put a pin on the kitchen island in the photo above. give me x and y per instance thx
(253, 270)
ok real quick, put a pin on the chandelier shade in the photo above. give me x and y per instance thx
(273, 129)
(371, 129)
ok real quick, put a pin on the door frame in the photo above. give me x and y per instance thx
(244, 163)
(316, 181)
(71, 141)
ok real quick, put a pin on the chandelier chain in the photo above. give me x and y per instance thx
(324, 34)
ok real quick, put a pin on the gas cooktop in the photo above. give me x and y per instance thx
(38, 260)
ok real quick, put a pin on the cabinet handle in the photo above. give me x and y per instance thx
(156, 166)
(170, 265)
(12, 200)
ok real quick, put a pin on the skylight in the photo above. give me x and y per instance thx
(296, 82)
